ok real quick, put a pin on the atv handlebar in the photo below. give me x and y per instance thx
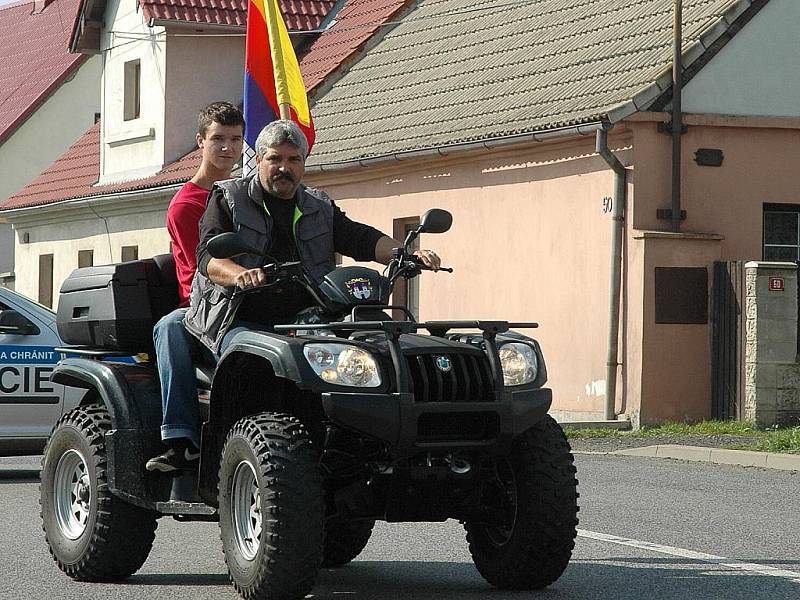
(408, 266)
(277, 272)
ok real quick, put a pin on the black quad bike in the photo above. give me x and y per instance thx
(311, 433)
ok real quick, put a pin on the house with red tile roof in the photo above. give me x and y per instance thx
(104, 199)
(552, 131)
(48, 97)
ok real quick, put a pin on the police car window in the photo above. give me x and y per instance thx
(16, 320)
(25, 372)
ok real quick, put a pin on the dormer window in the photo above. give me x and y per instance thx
(132, 83)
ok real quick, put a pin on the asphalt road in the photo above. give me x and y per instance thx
(650, 528)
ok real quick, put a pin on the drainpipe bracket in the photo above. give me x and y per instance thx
(667, 127)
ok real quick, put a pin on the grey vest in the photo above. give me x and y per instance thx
(211, 307)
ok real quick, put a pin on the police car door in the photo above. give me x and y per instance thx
(30, 403)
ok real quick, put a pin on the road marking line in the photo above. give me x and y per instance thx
(691, 554)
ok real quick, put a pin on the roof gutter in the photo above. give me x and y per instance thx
(545, 135)
(194, 25)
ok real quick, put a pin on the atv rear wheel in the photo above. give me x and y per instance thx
(534, 491)
(270, 506)
(92, 535)
(344, 540)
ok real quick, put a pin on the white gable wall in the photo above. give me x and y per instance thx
(200, 70)
(51, 129)
(181, 72)
(757, 72)
(131, 149)
(44, 136)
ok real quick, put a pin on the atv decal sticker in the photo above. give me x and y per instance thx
(444, 364)
(359, 287)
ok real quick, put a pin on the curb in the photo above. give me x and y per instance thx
(720, 456)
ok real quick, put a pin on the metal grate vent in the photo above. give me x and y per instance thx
(469, 378)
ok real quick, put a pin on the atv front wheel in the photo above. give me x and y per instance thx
(92, 535)
(270, 506)
(532, 496)
(344, 540)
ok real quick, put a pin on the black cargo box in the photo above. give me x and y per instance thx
(114, 307)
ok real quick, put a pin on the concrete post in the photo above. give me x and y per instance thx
(772, 373)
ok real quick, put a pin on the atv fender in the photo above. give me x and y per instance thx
(278, 351)
(131, 394)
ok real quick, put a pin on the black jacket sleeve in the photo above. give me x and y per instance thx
(217, 219)
(353, 239)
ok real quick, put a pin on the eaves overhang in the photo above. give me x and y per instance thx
(180, 25)
(119, 202)
(85, 36)
(544, 135)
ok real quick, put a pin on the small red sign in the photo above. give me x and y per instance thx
(776, 284)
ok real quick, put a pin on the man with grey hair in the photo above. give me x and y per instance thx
(273, 210)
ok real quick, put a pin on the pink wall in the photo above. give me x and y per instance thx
(530, 241)
(675, 358)
(760, 166)
(727, 201)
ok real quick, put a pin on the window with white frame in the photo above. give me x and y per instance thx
(781, 232)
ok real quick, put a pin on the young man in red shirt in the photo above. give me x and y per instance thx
(220, 134)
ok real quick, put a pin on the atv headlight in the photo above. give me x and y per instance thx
(518, 362)
(342, 364)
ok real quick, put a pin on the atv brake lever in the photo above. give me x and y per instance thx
(421, 266)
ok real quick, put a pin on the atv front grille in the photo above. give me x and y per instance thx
(451, 377)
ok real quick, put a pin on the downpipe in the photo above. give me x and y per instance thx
(677, 125)
(615, 287)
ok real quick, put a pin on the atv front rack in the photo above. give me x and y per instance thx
(394, 329)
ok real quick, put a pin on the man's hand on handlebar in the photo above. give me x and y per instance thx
(429, 258)
(251, 278)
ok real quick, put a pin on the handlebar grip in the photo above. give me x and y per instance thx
(423, 267)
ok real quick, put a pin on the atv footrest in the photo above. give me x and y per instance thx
(174, 507)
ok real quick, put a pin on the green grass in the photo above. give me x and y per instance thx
(785, 440)
(775, 440)
(669, 428)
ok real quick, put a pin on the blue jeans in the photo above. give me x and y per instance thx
(176, 351)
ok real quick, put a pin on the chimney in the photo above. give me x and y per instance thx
(40, 5)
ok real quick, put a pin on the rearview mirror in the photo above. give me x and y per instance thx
(435, 220)
(228, 245)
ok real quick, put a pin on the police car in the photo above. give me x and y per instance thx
(30, 403)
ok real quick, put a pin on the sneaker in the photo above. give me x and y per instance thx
(178, 456)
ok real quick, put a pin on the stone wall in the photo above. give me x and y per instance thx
(772, 371)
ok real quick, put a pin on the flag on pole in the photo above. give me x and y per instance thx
(273, 85)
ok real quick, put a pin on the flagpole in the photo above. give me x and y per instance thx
(286, 113)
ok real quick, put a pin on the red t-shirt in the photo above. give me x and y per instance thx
(183, 218)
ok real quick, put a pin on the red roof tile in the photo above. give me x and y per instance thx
(33, 58)
(74, 173)
(300, 15)
(354, 25)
